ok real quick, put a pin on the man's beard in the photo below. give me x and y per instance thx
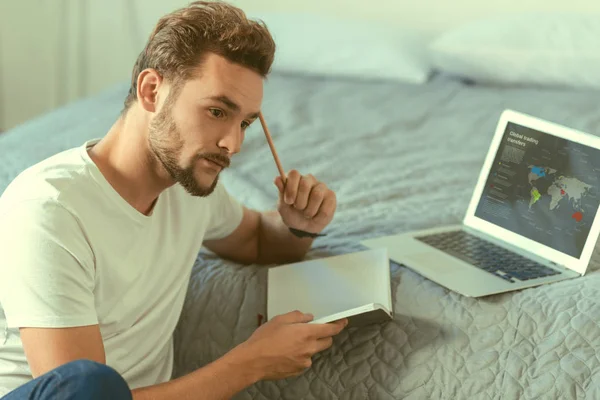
(165, 142)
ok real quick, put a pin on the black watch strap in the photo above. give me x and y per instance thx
(304, 234)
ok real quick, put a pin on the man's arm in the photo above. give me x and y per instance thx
(221, 379)
(49, 348)
(261, 238)
(265, 238)
(281, 348)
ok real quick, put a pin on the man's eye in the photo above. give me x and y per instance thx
(245, 124)
(216, 112)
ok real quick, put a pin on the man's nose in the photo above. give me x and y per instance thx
(232, 141)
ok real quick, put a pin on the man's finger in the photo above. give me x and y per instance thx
(291, 187)
(279, 183)
(320, 331)
(317, 194)
(327, 208)
(304, 190)
(295, 317)
(323, 344)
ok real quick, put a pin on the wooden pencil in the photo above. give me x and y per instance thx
(272, 146)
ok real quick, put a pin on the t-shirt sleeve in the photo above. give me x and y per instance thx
(47, 270)
(225, 214)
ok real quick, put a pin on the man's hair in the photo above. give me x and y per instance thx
(182, 38)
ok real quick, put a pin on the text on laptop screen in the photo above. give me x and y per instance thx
(544, 188)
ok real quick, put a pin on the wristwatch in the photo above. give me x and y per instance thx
(303, 234)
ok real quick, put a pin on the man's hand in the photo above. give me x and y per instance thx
(265, 238)
(284, 346)
(305, 203)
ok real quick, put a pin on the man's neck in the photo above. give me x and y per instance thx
(125, 160)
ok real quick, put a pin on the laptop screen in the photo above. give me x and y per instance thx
(544, 188)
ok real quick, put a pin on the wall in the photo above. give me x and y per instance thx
(55, 51)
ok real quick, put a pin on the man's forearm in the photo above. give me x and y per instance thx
(276, 244)
(221, 379)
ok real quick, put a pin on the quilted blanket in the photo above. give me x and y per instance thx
(400, 157)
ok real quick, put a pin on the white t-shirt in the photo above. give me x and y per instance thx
(73, 252)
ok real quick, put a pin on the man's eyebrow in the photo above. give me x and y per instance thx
(227, 101)
(232, 105)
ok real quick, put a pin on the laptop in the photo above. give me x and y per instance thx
(355, 285)
(533, 217)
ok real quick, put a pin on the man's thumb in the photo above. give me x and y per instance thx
(279, 183)
(296, 317)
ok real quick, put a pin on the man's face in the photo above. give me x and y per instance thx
(196, 132)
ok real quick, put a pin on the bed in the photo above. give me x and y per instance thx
(400, 157)
(403, 157)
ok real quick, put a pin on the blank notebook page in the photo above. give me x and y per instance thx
(330, 285)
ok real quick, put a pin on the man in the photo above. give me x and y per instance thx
(97, 242)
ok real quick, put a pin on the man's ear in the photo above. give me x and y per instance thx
(148, 83)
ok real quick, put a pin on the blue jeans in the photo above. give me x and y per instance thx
(77, 380)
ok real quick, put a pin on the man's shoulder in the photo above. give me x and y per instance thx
(48, 182)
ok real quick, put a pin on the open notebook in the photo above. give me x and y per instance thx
(354, 286)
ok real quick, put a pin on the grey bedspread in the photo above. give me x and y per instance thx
(400, 157)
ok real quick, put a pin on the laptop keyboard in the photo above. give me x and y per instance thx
(488, 256)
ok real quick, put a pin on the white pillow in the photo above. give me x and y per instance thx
(539, 49)
(328, 46)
